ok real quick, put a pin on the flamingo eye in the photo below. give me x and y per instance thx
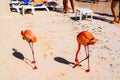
(92, 39)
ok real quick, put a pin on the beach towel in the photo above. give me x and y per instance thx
(36, 2)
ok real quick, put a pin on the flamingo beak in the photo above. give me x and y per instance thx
(22, 33)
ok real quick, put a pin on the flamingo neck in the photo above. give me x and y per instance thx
(76, 58)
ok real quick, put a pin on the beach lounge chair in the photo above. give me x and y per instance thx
(25, 4)
(14, 1)
(29, 6)
(13, 4)
(16, 5)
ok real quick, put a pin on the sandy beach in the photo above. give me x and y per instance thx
(56, 45)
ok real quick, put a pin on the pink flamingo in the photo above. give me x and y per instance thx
(30, 37)
(85, 38)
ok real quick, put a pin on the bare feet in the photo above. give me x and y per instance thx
(114, 21)
(67, 10)
(118, 21)
(73, 11)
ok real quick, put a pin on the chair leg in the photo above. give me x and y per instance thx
(76, 15)
(46, 8)
(81, 15)
(91, 16)
(18, 9)
(33, 10)
(23, 10)
(86, 15)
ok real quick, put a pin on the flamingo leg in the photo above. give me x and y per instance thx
(34, 62)
(87, 57)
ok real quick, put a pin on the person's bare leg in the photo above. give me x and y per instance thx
(64, 2)
(66, 8)
(72, 5)
(94, 1)
(113, 8)
(98, 1)
(119, 13)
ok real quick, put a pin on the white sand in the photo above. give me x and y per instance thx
(56, 46)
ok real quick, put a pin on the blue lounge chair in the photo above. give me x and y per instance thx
(29, 6)
(25, 4)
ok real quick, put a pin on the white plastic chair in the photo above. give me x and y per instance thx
(84, 11)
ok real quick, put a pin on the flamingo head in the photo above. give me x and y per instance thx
(86, 38)
(92, 41)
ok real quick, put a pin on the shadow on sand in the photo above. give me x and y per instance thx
(87, 1)
(104, 14)
(64, 61)
(20, 56)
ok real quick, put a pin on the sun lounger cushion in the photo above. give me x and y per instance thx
(38, 4)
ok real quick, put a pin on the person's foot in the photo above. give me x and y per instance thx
(73, 11)
(114, 21)
(95, 2)
(67, 10)
(118, 21)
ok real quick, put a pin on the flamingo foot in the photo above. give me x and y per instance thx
(76, 60)
(87, 57)
(88, 70)
(77, 65)
(33, 62)
(35, 68)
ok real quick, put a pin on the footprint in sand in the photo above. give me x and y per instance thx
(58, 74)
(47, 55)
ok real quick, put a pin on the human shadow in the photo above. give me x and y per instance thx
(20, 56)
(64, 61)
(104, 14)
(101, 18)
(89, 1)
(86, 1)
